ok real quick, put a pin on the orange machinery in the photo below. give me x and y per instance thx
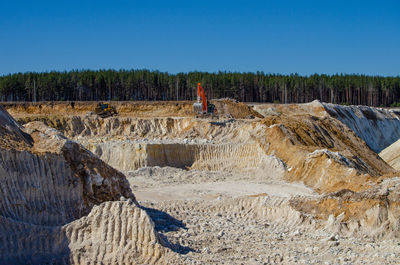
(202, 94)
(203, 107)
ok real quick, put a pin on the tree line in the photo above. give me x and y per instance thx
(100, 85)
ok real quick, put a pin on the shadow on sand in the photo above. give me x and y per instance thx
(166, 223)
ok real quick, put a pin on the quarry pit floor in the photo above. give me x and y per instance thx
(221, 222)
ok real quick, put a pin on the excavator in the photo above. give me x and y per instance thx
(203, 107)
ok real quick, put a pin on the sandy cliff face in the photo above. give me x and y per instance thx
(240, 157)
(323, 153)
(379, 128)
(57, 199)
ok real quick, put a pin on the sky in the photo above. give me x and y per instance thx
(303, 37)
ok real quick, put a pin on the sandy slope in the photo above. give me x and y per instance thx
(391, 155)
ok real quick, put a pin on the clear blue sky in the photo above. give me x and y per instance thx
(179, 36)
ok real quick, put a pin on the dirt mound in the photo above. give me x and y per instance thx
(373, 212)
(235, 109)
(322, 152)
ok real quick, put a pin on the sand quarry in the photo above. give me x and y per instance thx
(308, 183)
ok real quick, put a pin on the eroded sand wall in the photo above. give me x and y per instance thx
(217, 157)
(39, 190)
(50, 188)
(379, 128)
(128, 128)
